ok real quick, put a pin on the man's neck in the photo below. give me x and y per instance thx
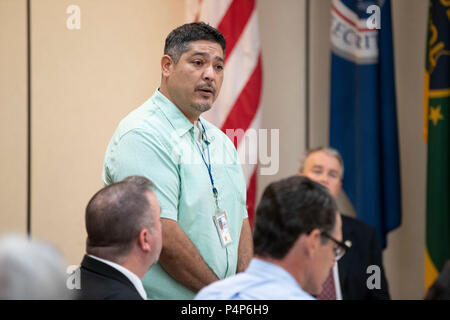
(135, 266)
(191, 117)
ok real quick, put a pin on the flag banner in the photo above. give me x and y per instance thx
(238, 105)
(363, 116)
(437, 133)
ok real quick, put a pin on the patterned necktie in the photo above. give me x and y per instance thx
(328, 289)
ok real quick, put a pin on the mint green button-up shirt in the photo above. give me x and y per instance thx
(158, 142)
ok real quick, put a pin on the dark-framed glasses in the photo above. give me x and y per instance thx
(340, 247)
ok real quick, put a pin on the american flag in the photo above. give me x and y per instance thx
(238, 104)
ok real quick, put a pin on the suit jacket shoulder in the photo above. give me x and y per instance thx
(353, 267)
(100, 281)
(354, 222)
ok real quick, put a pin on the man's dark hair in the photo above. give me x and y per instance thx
(177, 42)
(115, 215)
(289, 208)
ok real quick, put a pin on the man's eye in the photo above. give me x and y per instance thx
(198, 62)
(334, 175)
(219, 67)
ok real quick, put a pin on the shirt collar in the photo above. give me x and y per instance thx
(127, 273)
(258, 266)
(176, 118)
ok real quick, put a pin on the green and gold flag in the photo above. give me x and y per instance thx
(437, 133)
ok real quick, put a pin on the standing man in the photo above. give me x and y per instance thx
(199, 181)
(297, 239)
(348, 281)
(123, 241)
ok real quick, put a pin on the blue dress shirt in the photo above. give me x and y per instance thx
(261, 281)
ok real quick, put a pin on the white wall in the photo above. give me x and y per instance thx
(13, 118)
(405, 254)
(282, 31)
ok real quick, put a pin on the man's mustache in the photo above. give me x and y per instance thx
(206, 87)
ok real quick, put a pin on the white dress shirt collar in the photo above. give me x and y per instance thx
(127, 273)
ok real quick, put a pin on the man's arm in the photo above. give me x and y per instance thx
(245, 252)
(181, 259)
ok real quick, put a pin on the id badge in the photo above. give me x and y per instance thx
(221, 222)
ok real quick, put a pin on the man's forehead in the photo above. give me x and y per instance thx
(205, 47)
(320, 158)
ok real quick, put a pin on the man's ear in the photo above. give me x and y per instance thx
(167, 65)
(311, 242)
(145, 240)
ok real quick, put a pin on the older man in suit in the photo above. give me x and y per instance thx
(124, 240)
(348, 279)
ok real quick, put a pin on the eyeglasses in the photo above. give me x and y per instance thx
(340, 247)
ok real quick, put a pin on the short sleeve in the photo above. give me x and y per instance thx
(140, 153)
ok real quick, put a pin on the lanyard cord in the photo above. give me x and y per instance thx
(208, 165)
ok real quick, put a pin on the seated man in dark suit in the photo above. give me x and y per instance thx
(348, 279)
(123, 240)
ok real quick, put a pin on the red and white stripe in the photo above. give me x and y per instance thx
(238, 104)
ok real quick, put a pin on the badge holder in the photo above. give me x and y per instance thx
(221, 222)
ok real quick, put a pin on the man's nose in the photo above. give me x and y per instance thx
(324, 178)
(208, 73)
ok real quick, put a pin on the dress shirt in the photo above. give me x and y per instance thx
(261, 281)
(337, 284)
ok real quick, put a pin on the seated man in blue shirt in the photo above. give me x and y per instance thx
(297, 239)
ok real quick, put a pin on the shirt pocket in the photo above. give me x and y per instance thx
(235, 181)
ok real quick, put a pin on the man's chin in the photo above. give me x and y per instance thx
(201, 107)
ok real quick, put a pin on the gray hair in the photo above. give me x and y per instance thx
(31, 270)
(329, 151)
